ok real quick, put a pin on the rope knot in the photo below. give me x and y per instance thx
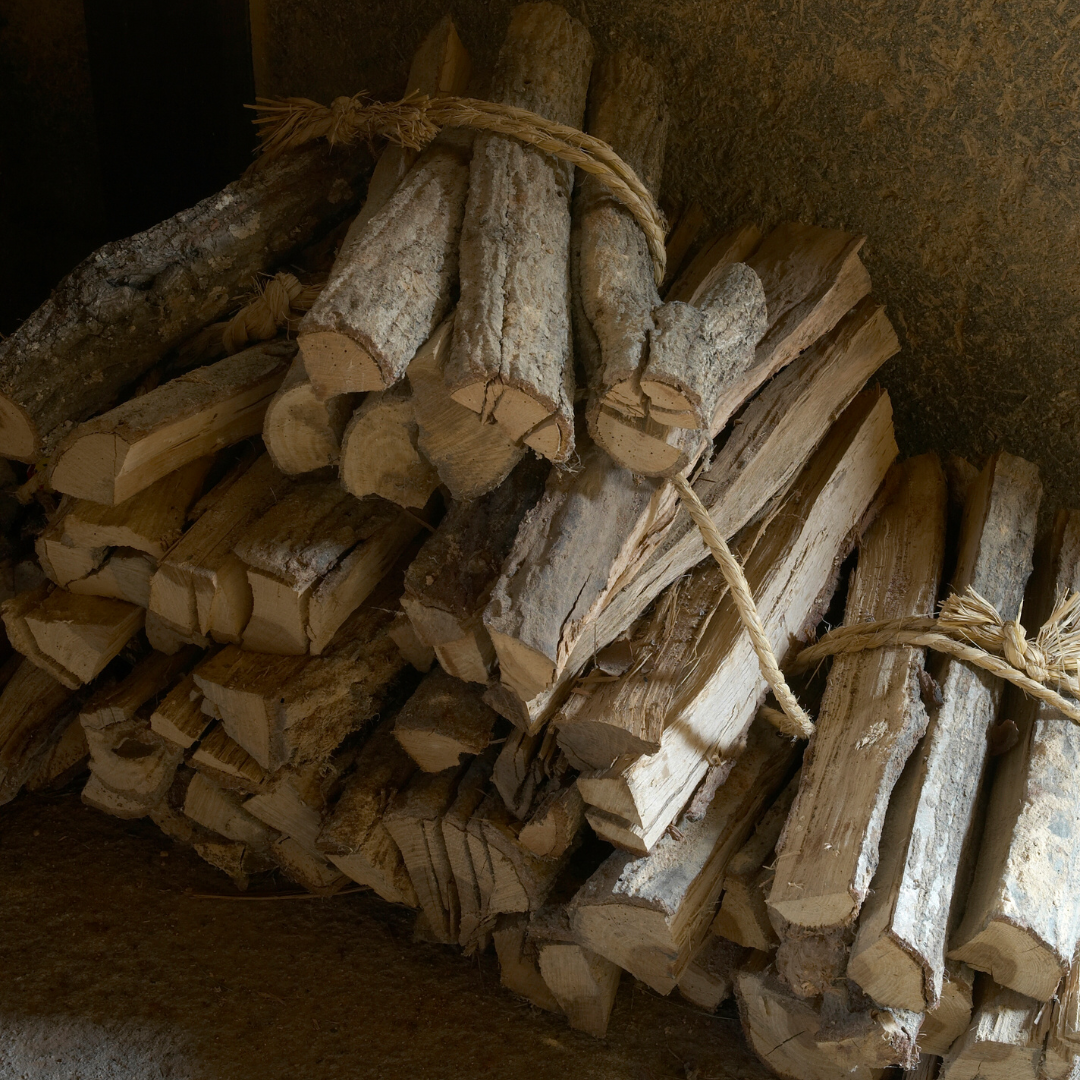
(1014, 644)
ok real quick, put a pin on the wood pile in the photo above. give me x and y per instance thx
(397, 592)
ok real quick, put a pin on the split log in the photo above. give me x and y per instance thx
(783, 1030)
(649, 914)
(222, 811)
(474, 929)
(944, 1025)
(284, 709)
(227, 762)
(1004, 1040)
(743, 917)
(511, 354)
(417, 652)
(1021, 922)
(354, 837)
(792, 574)
(201, 587)
(711, 261)
(413, 820)
(178, 717)
(871, 716)
(556, 819)
(709, 979)
(312, 559)
(125, 450)
(15, 611)
(81, 634)
(444, 720)
(148, 680)
(301, 432)
(311, 873)
(519, 964)
(614, 292)
(379, 454)
(899, 954)
(600, 547)
(392, 282)
(132, 762)
(35, 713)
(123, 308)
(124, 575)
(1063, 1039)
(855, 1028)
(448, 584)
(63, 561)
(64, 759)
(523, 764)
(471, 457)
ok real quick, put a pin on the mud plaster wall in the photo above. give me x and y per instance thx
(947, 132)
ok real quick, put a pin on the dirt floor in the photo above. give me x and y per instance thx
(114, 969)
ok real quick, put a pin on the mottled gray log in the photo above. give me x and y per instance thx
(125, 306)
(511, 354)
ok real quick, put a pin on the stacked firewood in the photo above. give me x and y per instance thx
(397, 591)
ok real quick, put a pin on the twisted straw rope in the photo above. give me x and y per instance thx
(414, 121)
(261, 318)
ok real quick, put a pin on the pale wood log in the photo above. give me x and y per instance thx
(792, 573)
(35, 713)
(96, 795)
(511, 354)
(899, 953)
(64, 562)
(201, 587)
(583, 983)
(15, 610)
(311, 873)
(353, 837)
(743, 917)
(178, 718)
(226, 761)
(379, 454)
(945, 1024)
(392, 282)
(614, 291)
(301, 432)
(118, 454)
(413, 822)
(83, 633)
(709, 979)
(855, 1028)
(649, 914)
(418, 653)
(148, 680)
(214, 807)
(123, 308)
(133, 762)
(1021, 922)
(151, 521)
(474, 929)
(124, 575)
(1062, 1052)
(481, 857)
(519, 965)
(448, 584)
(442, 721)
(556, 820)
(600, 547)
(521, 768)
(312, 559)
(782, 1029)
(471, 457)
(711, 261)
(870, 718)
(284, 709)
(1004, 1040)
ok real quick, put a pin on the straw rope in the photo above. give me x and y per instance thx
(414, 121)
(274, 305)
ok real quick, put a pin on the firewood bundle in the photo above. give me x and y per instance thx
(384, 581)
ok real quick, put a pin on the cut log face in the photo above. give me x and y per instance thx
(148, 680)
(743, 917)
(228, 762)
(1022, 920)
(871, 717)
(709, 978)
(222, 811)
(471, 457)
(83, 633)
(649, 914)
(519, 964)
(554, 607)
(379, 454)
(178, 717)
(583, 983)
(614, 292)
(392, 282)
(123, 308)
(899, 954)
(354, 837)
(442, 721)
(449, 582)
(944, 1025)
(16, 609)
(201, 587)
(35, 713)
(129, 760)
(511, 354)
(301, 432)
(792, 574)
(125, 575)
(1004, 1040)
(556, 820)
(118, 454)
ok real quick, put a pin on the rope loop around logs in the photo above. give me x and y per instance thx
(413, 122)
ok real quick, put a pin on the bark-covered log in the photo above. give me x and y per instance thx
(511, 355)
(123, 308)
